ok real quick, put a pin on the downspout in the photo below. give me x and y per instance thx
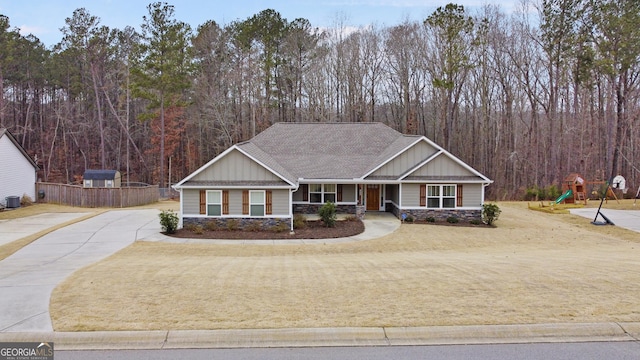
(181, 207)
(291, 191)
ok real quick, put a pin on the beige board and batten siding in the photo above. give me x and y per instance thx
(442, 166)
(236, 166)
(279, 200)
(407, 160)
(410, 195)
(472, 195)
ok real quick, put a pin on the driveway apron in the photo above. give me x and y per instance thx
(28, 277)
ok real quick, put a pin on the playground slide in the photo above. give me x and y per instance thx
(564, 196)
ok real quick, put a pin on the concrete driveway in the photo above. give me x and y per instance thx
(28, 277)
(628, 219)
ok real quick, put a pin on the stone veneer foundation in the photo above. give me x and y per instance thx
(314, 208)
(240, 223)
(438, 215)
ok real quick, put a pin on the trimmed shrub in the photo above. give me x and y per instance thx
(490, 213)
(168, 221)
(430, 219)
(452, 220)
(475, 222)
(328, 214)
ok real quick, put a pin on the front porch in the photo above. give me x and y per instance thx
(417, 200)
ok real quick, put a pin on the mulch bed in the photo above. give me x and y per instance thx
(313, 230)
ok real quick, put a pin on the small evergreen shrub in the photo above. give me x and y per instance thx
(168, 221)
(475, 222)
(452, 220)
(535, 193)
(328, 214)
(430, 219)
(409, 219)
(490, 213)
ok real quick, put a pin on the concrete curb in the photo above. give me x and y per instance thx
(318, 337)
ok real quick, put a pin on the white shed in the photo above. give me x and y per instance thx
(17, 171)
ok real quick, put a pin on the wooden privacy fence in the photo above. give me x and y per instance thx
(74, 195)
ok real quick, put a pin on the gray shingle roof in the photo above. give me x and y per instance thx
(326, 150)
(99, 174)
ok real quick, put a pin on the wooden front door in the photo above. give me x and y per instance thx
(373, 197)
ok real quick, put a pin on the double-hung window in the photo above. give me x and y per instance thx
(322, 193)
(315, 193)
(441, 196)
(256, 202)
(214, 203)
(329, 193)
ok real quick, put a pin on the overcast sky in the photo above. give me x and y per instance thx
(44, 18)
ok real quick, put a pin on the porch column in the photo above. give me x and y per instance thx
(360, 207)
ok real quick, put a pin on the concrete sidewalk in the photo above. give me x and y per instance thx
(628, 219)
(315, 337)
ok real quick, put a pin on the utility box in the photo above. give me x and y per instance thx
(13, 201)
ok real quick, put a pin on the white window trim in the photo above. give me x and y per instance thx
(441, 196)
(212, 203)
(263, 204)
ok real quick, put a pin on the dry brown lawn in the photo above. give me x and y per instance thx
(533, 268)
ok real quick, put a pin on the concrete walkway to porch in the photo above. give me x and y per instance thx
(376, 224)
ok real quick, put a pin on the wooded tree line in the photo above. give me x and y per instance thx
(526, 97)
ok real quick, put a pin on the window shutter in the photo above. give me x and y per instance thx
(423, 195)
(339, 193)
(245, 202)
(305, 192)
(268, 207)
(225, 202)
(459, 195)
(203, 201)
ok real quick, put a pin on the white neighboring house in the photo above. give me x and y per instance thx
(17, 169)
